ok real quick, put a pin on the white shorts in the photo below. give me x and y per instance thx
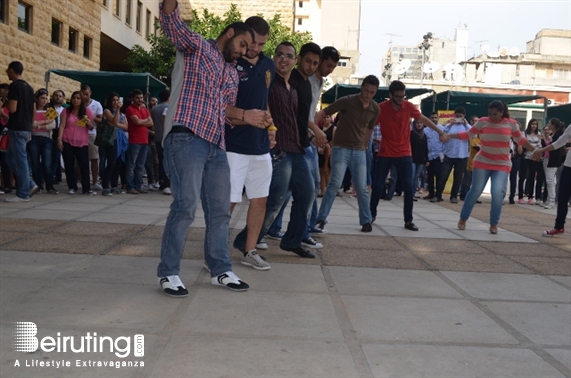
(251, 171)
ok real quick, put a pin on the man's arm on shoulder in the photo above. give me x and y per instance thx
(330, 110)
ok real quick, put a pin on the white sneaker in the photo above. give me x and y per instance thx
(173, 286)
(549, 206)
(255, 261)
(157, 185)
(167, 191)
(96, 187)
(16, 199)
(230, 281)
(151, 187)
(71, 191)
(262, 244)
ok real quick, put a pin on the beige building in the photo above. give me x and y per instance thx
(88, 35)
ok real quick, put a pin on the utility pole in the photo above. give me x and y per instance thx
(424, 45)
(388, 66)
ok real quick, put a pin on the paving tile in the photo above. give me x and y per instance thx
(542, 323)
(125, 218)
(362, 241)
(523, 249)
(274, 357)
(547, 265)
(73, 206)
(436, 245)
(216, 310)
(50, 242)
(96, 229)
(563, 279)
(473, 263)
(390, 282)
(562, 355)
(9, 236)
(136, 210)
(422, 320)
(39, 265)
(284, 278)
(373, 259)
(413, 361)
(422, 233)
(57, 215)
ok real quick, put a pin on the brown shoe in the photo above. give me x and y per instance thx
(493, 229)
(367, 228)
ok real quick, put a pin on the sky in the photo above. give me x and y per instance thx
(494, 23)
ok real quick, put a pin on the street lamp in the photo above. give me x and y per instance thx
(424, 45)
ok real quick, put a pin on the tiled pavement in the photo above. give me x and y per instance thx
(393, 303)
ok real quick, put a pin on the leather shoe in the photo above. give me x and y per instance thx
(410, 226)
(367, 228)
(387, 198)
(300, 251)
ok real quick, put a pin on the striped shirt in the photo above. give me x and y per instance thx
(283, 107)
(494, 154)
(208, 84)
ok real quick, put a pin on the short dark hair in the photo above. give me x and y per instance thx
(136, 92)
(371, 79)
(4, 86)
(59, 90)
(17, 67)
(288, 44)
(396, 86)
(434, 113)
(460, 110)
(310, 47)
(85, 87)
(239, 29)
(330, 52)
(164, 95)
(258, 24)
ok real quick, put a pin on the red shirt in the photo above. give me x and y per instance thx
(395, 129)
(137, 134)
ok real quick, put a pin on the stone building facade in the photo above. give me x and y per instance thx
(78, 19)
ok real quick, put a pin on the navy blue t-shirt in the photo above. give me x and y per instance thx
(253, 91)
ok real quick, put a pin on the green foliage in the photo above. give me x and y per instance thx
(159, 60)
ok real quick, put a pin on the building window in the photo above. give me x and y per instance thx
(24, 17)
(442, 44)
(301, 4)
(104, 3)
(3, 11)
(299, 21)
(129, 12)
(73, 40)
(148, 22)
(343, 62)
(117, 8)
(87, 42)
(139, 15)
(157, 26)
(56, 32)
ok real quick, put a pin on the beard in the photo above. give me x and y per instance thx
(228, 52)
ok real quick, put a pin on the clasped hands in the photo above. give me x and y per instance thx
(444, 137)
(258, 118)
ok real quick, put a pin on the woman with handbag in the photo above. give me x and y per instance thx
(107, 134)
(40, 146)
(72, 139)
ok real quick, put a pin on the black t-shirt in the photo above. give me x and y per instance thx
(23, 118)
(304, 98)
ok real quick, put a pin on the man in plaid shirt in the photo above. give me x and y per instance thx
(203, 95)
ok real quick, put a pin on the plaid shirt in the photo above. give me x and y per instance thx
(209, 83)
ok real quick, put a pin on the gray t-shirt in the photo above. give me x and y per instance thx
(157, 116)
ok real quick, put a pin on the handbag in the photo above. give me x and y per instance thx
(4, 142)
(105, 134)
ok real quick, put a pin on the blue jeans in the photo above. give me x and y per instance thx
(56, 162)
(17, 160)
(136, 158)
(369, 156)
(149, 165)
(563, 195)
(403, 166)
(40, 150)
(290, 172)
(479, 179)
(416, 169)
(276, 226)
(313, 165)
(341, 158)
(198, 170)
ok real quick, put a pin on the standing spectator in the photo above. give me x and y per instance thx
(158, 115)
(353, 132)
(435, 156)
(20, 122)
(112, 118)
(40, 147)
(58, 103)
(73, 141)
(564, 194)
(395, 147)
(139, 121)
(203, 95)
(419, 149)
(492, 161)
(516, 154)
(456, 154)
(97, 111)
(552, 159)
(6, 173)
(530, 168)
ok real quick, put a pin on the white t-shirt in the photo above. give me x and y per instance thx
(96, 109)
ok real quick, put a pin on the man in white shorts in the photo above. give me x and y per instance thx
(248, 147)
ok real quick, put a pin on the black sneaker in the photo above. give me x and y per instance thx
(299, 251)
(173, 286)
(229, 280)
(436, 199)
(311, 243)
(410, 226)
(367, 228)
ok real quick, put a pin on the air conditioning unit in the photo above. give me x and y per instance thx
(550, 102)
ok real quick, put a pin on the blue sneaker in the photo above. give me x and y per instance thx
(277, 236)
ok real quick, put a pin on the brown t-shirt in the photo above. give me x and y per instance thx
(353, 121)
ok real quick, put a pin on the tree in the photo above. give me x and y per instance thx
(159, 60)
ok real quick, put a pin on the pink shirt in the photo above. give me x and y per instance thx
(494, 154)
(73, 134)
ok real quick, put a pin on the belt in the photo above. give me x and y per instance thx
(181, 129)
